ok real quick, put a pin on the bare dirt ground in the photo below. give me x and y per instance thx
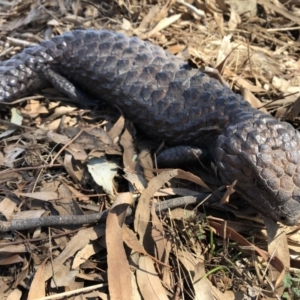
(68, 175)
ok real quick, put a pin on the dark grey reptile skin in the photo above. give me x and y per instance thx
(170, 101)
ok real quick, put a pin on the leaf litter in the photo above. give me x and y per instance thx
(208, 245)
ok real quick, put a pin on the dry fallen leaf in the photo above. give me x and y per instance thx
(202, 287)
(37, 287)
(119, 273)
(103, 172)
(142, 216)
(77, 242)
(277, 246)
(148, 280)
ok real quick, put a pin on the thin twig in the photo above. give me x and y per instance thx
(23, 224)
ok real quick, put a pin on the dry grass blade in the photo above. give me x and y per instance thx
(224, 231)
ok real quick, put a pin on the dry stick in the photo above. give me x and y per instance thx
(23, 224)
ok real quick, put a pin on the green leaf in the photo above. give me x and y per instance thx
(285, 295)
(287, 280)
(296, 292)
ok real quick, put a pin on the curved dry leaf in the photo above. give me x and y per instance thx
(85, 253)
(74, 168)
(21, 248)
(175, 191)
(224, 51)
(57, 138)
(78, 241)
(60, 111)
(148, 281)
(117, 129)
(158, 235)
(77, 151)
(10, 259)
(142, 215)
(126, 25)
(252, 99)
(34, 108)
(202, 287)
(186, 176)
(162, 24)
(118, 271)
(277, 246)
(65, 277)
(43, 196)
(136, 295)
(7, 208)
(131, 240)
(76, 193)
(16, 294)
(37, 286)
(245, 83)
(146, 162)
(137, 180)
(191, 177)
(129, 154)
(188, 261)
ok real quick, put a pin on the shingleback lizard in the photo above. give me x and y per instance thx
(170, 101)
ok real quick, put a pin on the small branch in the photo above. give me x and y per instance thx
(23, 224)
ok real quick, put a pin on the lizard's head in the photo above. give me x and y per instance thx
(264, 158)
